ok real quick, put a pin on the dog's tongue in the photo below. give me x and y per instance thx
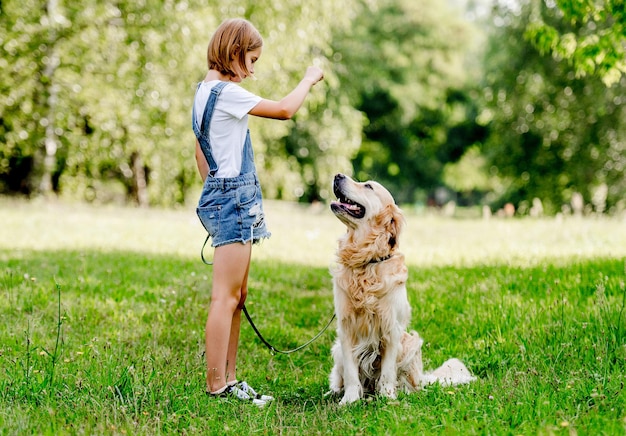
(350, 206)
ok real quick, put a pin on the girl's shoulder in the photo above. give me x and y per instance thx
(212, 83)
(231, 88)
(233, 99)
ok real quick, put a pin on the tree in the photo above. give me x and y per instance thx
(402, 63)
(30, 31)
(128, 62)
(118, 99)
(590, 35)
(553, 133)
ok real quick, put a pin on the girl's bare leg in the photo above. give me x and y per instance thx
(233, 344)
(230, 268)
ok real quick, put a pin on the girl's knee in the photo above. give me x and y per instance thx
(228, 302)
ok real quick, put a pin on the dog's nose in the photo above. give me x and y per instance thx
(337, 182)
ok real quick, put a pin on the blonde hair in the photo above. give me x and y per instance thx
(230, 43)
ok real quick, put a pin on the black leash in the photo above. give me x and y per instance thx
(271, 347)
(256, 330)
(202, 251)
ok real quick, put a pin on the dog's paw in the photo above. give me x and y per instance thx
(336, 389)
(351, 395)
(331, 395)
(387, 390)
(336, 382)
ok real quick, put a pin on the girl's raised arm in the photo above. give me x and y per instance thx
(289, 105)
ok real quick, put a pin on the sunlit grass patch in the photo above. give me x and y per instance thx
(308, 234)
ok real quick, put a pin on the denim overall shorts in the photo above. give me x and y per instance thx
(230, 209)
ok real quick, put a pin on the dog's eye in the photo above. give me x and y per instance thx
(368, 186)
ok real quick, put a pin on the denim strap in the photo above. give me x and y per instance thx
(202, 134)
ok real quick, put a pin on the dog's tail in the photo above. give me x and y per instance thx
(452, 372)
(411, 375)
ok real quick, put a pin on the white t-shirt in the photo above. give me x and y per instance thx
(229, 124)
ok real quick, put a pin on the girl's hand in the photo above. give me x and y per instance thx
(314, 74)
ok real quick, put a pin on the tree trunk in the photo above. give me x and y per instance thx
(51, 141)
(140, 182)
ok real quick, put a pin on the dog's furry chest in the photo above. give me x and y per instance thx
(365, 286)
(369, 301)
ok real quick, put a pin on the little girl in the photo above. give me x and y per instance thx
(230, 206)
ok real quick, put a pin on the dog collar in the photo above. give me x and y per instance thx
(382, 259)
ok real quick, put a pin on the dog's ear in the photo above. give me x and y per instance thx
(393, 223)
(392, 236)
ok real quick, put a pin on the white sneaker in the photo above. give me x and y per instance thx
(246, 388)
(237, 393)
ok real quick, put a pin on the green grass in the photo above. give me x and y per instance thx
(102, 312)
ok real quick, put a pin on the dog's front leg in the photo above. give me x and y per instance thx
(352, 385)
(388, 368)
(336, 375)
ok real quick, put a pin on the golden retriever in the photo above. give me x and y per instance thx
(373, 351)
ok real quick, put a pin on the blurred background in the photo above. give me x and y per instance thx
(468, 106)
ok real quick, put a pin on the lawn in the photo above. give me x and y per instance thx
(103, 308)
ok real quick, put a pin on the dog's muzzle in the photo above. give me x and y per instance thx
(345, 205)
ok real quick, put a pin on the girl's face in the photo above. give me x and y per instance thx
(251, 57)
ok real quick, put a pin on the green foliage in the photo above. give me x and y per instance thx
(403, 65)
(588, 34)
(299, 157)
(125, 80)
(552, 134)
(23, 88)
(95, 99)
(115, 82)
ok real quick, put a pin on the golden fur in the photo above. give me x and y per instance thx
(373, 351)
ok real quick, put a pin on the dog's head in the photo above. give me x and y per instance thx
(368, 210)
